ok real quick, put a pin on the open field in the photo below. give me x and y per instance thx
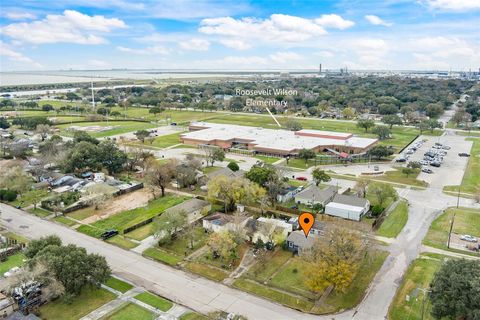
(154, 300)
(118, 127)
(88, 300)
(162, 141)
(471, 177)
(65, 220)
(399, 177)
(141, 233)
(131, 311)
(418, 276)
(125, 219)
(267, 160)
(395, 221)
(466, 221)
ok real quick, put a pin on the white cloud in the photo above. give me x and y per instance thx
(334, 21)
(453, 5)
(195, 44)
(285, 57)
(278, 28)
(325, 54)
(14, 15)
(377, 21)
(12, 55)
(153, 50)
(99, 64)
(235, 44)
(71, 27)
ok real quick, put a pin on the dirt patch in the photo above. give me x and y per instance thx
(122, 203)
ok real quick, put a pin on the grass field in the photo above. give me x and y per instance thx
(83, 213)
(40, 212)
(471, 177)
(466, 221)
(131, 311)
(398, 177)
(15, 260)
(192, 316)
(122, 242)
(207, 271)
(118, 127)
(268, 160)
(64, 220)
(395, 221)
(88, 300)
(162, 256)
(154, 300)
(29, 197)
(118, 284)
(163, 141)
(141, 233)
(125, 219)
(419, 275)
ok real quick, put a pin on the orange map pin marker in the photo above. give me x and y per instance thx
(306, 221)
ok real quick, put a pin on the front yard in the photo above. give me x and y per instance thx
(131, 311)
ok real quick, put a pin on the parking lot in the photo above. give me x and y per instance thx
(452, 167)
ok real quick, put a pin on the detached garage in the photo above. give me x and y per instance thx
(347, 207)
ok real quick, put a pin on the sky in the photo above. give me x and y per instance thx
(240, 34)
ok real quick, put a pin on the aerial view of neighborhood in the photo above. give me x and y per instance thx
(240, 160)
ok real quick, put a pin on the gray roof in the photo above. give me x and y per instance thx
(189, 206)
(350, 200)
(221, 172)
(314, 192)
(19, 316)
(299, 239)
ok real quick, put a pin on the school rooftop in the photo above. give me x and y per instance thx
(274, 141)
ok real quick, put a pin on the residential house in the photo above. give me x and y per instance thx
(314, 195)
(286, 194)
(347, 207)
(218, 222)
(298, 243)
(267, 230)
(192, 207)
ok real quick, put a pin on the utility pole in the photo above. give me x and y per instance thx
(93, 99)
(451, 228)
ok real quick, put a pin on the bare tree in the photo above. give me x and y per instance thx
(361, 187)
(43, 130)
(98, 194)
(159, 175)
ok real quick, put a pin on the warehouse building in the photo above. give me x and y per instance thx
(347, 207)
(275, 142)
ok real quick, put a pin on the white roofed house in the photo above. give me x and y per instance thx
(347, 207)
(312, 195)
(218, 222)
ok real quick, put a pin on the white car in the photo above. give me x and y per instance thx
(11, 272)
(468, 238)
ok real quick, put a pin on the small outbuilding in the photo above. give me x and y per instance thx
(347, 207)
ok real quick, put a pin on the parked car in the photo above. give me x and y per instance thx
(435, 164)
(376, 168)
(446, 148)
(108, 234)
(302, 178)
(468, 238)
(463, 154)
(426, 170)
(401, 159)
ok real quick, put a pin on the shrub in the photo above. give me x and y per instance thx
(233, 166)
(377, 210)
(8, 195)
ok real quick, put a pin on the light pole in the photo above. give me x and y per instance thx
(451, 228)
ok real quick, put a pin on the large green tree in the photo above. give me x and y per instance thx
(320, 176)
(455, 290)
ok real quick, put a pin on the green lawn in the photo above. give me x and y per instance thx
(398, 177)
(291, 278)
(192, 316)
(211, 169)
(207, 271)
(64, 220)
(131, 311)
(266, 266)
(296, 183)
(471, 177)
(118, 127)
(163, 141)
(125, 219)
(275, 295)
(122, 242)
(181, 244)
(141, 233)
(88, 300)
(268, 160)
(419, 275)
(90, 231)
(40, 212)
(15, 260)
(162, 256)
(118, 284)
(395, 221)
(154, 300)
(29, 197)
(467, 221)
(83, 213)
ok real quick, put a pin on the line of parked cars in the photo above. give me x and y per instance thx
(410, 150)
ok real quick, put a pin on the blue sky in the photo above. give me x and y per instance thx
(240, 34)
